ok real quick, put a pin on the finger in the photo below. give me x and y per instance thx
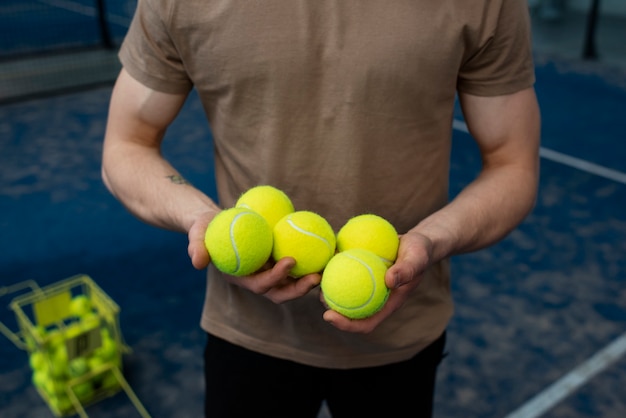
(358, 326)
(199, 255)
(323, 300)
(412, 260)
(269, 276)
(294, 289)
(196, 249)
(398, 275)
(367, 325)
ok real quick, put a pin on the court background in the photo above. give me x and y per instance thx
(531, 310)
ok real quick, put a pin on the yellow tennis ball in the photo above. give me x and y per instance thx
(370, 232)
(268, 201)
(58, 362)
(108, 350)
(83, 390)
(39, 378)
(239, 241)
(80, 305)
(110, 381)
(308, 238)
(78, 367)
(90, 321)
(353, 283)
(54, 386)
(37, 361)
(62, 404)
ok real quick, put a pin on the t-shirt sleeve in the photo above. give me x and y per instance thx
(501, 60)
(150, 55)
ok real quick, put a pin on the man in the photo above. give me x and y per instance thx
(347, 106)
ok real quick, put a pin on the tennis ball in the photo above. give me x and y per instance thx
(90, 321)
(78, 367)
(370, 232)
(53, 386)
(108, 349)
(308, 238)
(239, 241)
(37, 361)
(39, 379)
(54, 339)
(73, 330)
(59, 363)
(61, 403)
(110, 381)
(83, 390)
(353, 283)
(268, 201)
(96, 363)
(80, 305)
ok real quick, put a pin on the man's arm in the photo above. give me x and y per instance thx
(507, 131)
(136, 173)
(133, 168)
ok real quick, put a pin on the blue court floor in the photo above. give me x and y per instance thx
(540, 322)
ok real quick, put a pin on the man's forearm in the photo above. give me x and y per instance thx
(483, 213)
(150, 188)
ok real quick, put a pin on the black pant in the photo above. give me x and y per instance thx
(245, 384)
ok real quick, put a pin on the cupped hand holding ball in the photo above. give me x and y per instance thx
(414, 257)
(239, 241)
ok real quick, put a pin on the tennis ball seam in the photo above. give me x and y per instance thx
(238, 244)
(233, 241)
(308, 238)
(311, 234)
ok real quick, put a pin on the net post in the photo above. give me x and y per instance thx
(589, 51)
(105, 34)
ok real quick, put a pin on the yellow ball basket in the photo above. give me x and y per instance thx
(71, 332)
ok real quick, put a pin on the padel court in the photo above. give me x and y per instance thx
(540, 322)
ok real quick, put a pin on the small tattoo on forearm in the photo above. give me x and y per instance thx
(176, 179)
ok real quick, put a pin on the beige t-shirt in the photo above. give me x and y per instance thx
(347, 106)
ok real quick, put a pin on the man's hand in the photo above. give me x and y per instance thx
(275, 283)
(403, 277)
(272, 281)
(196, 249)
(507, 131)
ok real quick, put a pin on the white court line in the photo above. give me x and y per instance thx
(564, 159)
(559, 390)
(583, 165)
(85, 10)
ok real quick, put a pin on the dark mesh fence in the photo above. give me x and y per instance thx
(50, 45)
(30, 27)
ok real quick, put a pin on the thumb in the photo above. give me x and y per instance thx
(398, 275)
(196, 249)
(198, 254)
